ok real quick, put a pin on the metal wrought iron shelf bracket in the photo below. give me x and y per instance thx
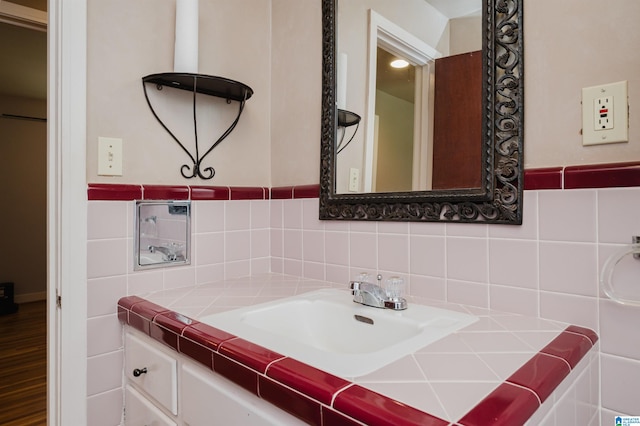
(346, 119)
(207, 85)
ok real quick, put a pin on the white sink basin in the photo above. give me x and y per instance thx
(327, 330)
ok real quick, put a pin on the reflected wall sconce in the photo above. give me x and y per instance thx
(346, 119)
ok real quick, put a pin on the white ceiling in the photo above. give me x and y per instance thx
(457, 8)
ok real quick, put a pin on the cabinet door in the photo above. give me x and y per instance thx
(139, 411)
(207, 399)
(156, 371)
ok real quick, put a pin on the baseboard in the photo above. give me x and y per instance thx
(30, 297)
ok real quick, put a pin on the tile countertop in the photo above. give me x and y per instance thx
(497, 370)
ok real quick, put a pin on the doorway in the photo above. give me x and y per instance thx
(387, 41)
(23, 168)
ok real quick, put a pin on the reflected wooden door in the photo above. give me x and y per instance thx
(457, 127)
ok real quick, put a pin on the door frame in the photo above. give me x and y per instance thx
(66, 213)
(393, 38)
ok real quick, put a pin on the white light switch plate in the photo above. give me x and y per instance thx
(109, 156)
(605, 114)
(354, 179)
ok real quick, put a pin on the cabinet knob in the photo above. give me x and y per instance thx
(138, 372)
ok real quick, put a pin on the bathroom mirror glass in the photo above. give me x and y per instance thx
(162, 234)
(463, 159)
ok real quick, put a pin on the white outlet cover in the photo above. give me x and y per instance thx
(618, 92)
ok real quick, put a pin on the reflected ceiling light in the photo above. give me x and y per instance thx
(399, 63)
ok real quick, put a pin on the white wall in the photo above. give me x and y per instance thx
(564, 52)
(129, 40)
(296, 70)
(23, 169)
(558, 64)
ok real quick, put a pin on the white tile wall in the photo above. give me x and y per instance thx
(230, 239)
(549, 266)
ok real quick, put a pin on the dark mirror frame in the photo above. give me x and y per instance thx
(500, 199)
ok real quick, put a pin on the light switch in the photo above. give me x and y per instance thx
(109, 156)
(354, 179)
(605, 114)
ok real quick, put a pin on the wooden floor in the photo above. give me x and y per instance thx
(23, 366)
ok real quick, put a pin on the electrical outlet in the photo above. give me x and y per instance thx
(354, 179)
(605, 114)
(109, 156)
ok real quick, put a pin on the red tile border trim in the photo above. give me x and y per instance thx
(311, 381)
(297, 404)
(371, 407)
(236, 372)
(590, 334)
(571, 347)
(249, 193)
(507, 405)
(110, 192)
(165, 192)
(210, 193)
(550, 178)
(125, 192)
(571, 177)
(602, 176)
(249, 354)
(282, 193)
(541, 374)
(592, 176)
(250, 365)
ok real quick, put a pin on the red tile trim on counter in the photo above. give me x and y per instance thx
(572, 177)
(541, 374)
(532, 383)
(507, 405)
(292, 402)
(320, 398)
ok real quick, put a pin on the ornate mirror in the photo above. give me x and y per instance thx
(464, 120)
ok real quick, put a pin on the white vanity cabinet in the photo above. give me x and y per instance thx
(206, 398)
(141, 411)
(151, 390)
(169, 389)
(151, 369)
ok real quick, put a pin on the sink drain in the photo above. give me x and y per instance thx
(363, 319)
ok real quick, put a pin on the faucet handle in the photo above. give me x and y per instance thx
(398, 304)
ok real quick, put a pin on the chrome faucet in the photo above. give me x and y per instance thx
(170, 254)
(374, 295)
